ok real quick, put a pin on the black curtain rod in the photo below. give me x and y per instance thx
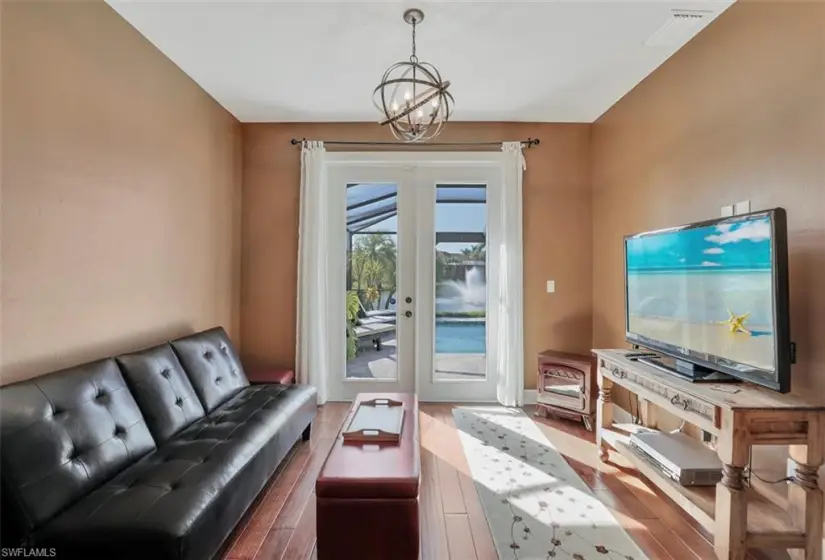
(529, 143)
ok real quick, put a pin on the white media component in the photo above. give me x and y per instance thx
(680, 457)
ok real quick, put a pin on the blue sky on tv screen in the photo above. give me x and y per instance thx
(744, 245)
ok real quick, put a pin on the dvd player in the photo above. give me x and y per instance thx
(680, 457)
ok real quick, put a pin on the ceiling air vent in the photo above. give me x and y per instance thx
(680, 26)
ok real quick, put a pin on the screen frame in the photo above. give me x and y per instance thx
(779, 280)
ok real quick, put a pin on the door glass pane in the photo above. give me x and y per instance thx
(460, 283)
(371, 231)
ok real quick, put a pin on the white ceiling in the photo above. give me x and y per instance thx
(552, 61)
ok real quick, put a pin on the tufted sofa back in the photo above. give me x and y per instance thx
(162, 390)
(212, 365)
(64, 434)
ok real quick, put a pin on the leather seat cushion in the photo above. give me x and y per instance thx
(183, 500)
(162, 390)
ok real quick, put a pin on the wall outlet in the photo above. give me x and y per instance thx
(727, 211)
(743, 207)
(551, 286)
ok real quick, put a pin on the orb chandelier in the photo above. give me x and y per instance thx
(412, 96)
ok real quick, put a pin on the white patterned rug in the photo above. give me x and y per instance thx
(536, 505)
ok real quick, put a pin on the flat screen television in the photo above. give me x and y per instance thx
(714, 295)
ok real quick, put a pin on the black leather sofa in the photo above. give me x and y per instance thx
(154, 454)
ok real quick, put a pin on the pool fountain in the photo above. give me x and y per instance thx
(469, 295)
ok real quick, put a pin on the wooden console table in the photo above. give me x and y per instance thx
(739, 415)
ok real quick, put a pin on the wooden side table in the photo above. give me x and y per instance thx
(566, 386)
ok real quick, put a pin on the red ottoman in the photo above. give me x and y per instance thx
(367, 497)
(274, 375)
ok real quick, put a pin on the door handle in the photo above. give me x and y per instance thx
(408, 314)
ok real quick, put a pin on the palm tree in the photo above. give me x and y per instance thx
(477, 252)
(373, 267)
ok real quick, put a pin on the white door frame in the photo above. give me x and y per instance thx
(426, 168)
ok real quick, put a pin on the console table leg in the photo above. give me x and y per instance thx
(731, 499)
(805, 499)
(731, 514)
(604, 415)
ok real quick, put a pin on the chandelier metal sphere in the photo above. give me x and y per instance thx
(412, 96)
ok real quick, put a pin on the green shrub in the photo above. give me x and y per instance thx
(353, 306)
(462, 314)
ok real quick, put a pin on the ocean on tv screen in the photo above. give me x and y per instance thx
(708, 289)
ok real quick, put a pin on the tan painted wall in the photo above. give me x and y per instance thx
(738, 114)
(557, 232)
(120, 192)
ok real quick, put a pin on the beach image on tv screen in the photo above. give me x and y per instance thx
(706, 289)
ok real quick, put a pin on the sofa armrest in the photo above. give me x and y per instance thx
(271, 375)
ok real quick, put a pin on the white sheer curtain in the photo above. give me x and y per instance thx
(312, 352)
(508, 313)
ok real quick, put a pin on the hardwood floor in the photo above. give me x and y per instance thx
(280, 525)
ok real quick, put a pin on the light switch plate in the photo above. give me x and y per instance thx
(727, 211)
(551, 286)
(743, 207)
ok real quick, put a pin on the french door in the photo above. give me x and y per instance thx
(410, 275)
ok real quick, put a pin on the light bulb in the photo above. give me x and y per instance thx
(419, 114)
(435, 103)
(394, 107)
(407, 95)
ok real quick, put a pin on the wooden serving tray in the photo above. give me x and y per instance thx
(376, 421)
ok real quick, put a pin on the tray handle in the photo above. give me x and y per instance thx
(382, 402)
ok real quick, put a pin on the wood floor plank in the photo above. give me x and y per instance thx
(274, 544)
(685, 529)
(449, 457)
(302, 540)
(292, 510)
(459, 537)
(432, 525)
(624, 499)
(647, 534)
(483, 543)
(246, 540)
(652, 535)
(294, 507)
(251, 537)
(482, 536)
(451, 496)
(592, 477)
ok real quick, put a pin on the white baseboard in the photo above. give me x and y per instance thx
(530, 396)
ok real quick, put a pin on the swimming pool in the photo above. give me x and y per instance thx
(460, 337)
